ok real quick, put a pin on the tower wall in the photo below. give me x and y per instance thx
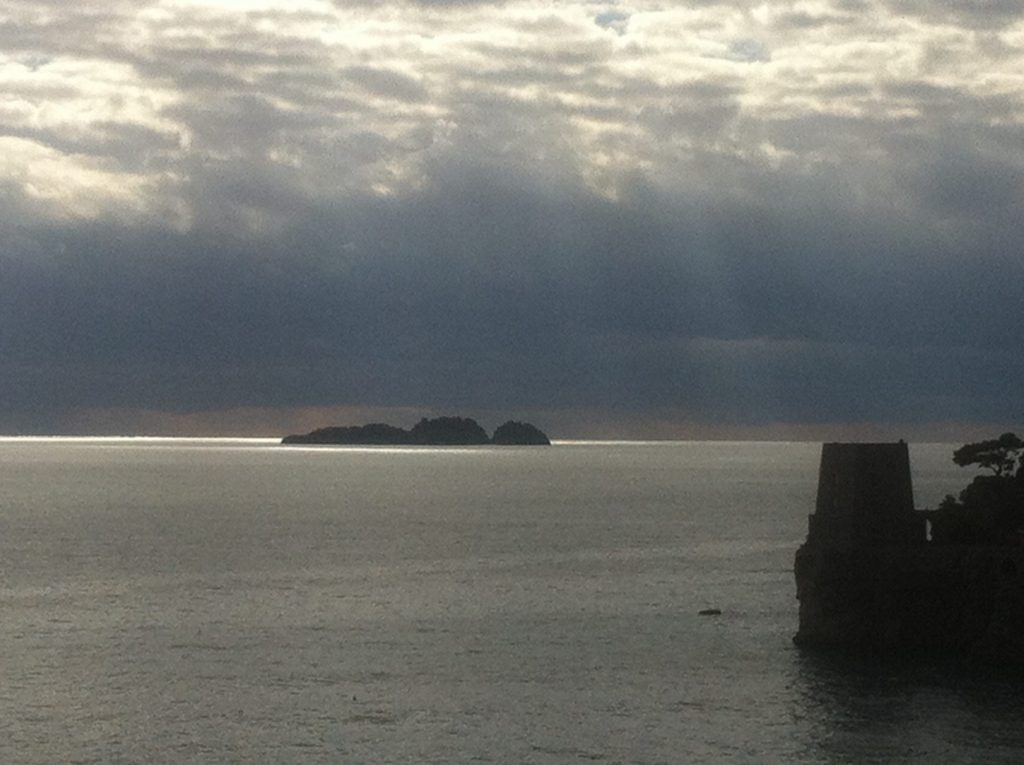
(865, 497)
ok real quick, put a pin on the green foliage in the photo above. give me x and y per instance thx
(990, 509)
(1000, 455)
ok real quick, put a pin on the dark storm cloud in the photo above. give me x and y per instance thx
(740, 213)
(386, 82)
(801, 19)
(562, 300)
(131, 146)
(974, 13)
(694, 109)
(963, 183)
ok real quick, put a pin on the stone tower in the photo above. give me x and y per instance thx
(865, 497)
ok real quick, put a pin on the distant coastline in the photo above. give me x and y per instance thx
(440, 431)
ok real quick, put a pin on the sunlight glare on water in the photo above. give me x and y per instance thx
(238, 601)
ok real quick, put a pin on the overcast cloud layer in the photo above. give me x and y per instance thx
(617, 218)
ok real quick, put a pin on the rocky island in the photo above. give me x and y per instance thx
(440, 431)
(877, 575)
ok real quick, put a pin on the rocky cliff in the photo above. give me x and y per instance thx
(895, 598)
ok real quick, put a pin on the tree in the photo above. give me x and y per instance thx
(1000, 455)
(990, 509)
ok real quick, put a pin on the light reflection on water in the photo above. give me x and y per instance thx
(218, 602)
(898, 709)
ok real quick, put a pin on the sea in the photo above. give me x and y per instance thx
(237, 601)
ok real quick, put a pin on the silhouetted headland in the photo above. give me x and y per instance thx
(876, 575)
(440, 431)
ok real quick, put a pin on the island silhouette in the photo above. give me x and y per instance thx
(439, 431)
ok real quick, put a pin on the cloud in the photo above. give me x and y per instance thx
(386, 82)
(442, 302)
(972, 13)
(718, 212)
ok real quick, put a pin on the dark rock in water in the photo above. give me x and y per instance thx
(710, 612)
(448, 430)
(520, 433)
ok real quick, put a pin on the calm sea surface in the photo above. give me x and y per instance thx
(240, 602)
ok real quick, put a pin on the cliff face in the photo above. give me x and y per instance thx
(868, 578)
(923, 598)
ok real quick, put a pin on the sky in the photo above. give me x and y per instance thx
(703, 219)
